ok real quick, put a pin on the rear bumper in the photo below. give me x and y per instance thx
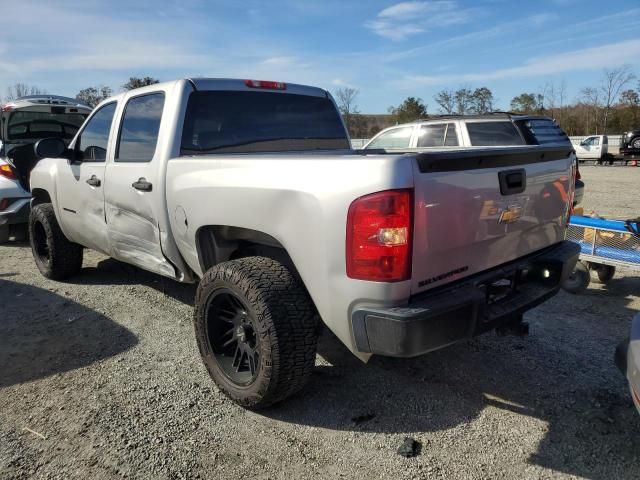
(464, 308)
(17, 212)
(627, 358)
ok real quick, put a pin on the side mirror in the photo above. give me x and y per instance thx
(49, 148)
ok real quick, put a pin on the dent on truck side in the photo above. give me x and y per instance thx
(299, 202)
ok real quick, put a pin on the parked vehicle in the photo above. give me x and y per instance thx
(595, 147)
(630, 146)
(627, 359)
(23, 122)
(471, 131)
(251, 188)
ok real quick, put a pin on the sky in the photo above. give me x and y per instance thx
(387, 50)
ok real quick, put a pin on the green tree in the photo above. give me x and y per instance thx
(92, 96)
(631, 101)
(527, 103)
(482, 101)
(411, 109)
(135, 82)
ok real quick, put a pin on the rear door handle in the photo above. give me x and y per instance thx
(94, 181)
(142, 185)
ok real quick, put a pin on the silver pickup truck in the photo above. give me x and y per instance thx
(251, 189)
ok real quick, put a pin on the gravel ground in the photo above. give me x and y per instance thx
(100, 377)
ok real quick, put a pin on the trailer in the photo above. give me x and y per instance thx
(604, 245)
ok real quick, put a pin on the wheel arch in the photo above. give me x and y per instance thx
(219, 243)
(40, 195)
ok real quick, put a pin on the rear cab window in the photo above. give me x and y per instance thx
(493, 134)
(249, 122)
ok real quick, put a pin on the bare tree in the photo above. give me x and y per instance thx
(446, 99)
(591, 98)
(464, 100)
(346, 99)
(613, 81)
(22, 89)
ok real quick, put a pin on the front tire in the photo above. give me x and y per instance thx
(256, 329)
(56, 257)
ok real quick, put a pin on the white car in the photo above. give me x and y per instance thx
(23, 122)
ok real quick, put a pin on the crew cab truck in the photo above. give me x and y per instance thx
(250, 188)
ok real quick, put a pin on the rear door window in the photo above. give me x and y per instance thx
(493, 134)
(438, 135)
(140, 127)
(394, 138)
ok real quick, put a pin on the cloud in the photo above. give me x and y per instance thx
(594, 58)
(405, 19)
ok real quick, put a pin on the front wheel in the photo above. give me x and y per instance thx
(56, 257)
(256, 329)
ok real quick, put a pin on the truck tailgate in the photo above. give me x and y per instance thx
(478, 209)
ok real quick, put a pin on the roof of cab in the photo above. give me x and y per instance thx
(240, 85)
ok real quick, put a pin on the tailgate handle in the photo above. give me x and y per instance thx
(512, 181)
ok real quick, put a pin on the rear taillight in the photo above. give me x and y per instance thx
(7, 171)
(267, 84)
(379, 233)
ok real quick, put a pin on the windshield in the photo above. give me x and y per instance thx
(27, 125)
(244, 122)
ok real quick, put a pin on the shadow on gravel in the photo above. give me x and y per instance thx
(42, 333)
(563, 374)
(113, 272)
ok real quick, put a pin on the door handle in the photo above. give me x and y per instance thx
(94, 181)
(142, 185)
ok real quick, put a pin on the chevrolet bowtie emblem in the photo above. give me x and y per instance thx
(510, 214)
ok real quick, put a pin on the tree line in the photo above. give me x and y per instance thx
(92, 96)
(612, 106)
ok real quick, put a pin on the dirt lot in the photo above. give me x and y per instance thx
(100, 378)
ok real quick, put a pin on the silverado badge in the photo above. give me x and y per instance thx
(510, 214)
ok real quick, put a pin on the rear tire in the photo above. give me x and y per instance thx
(56, 257)
(256, 329)
(579, 279)
(604, 273)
